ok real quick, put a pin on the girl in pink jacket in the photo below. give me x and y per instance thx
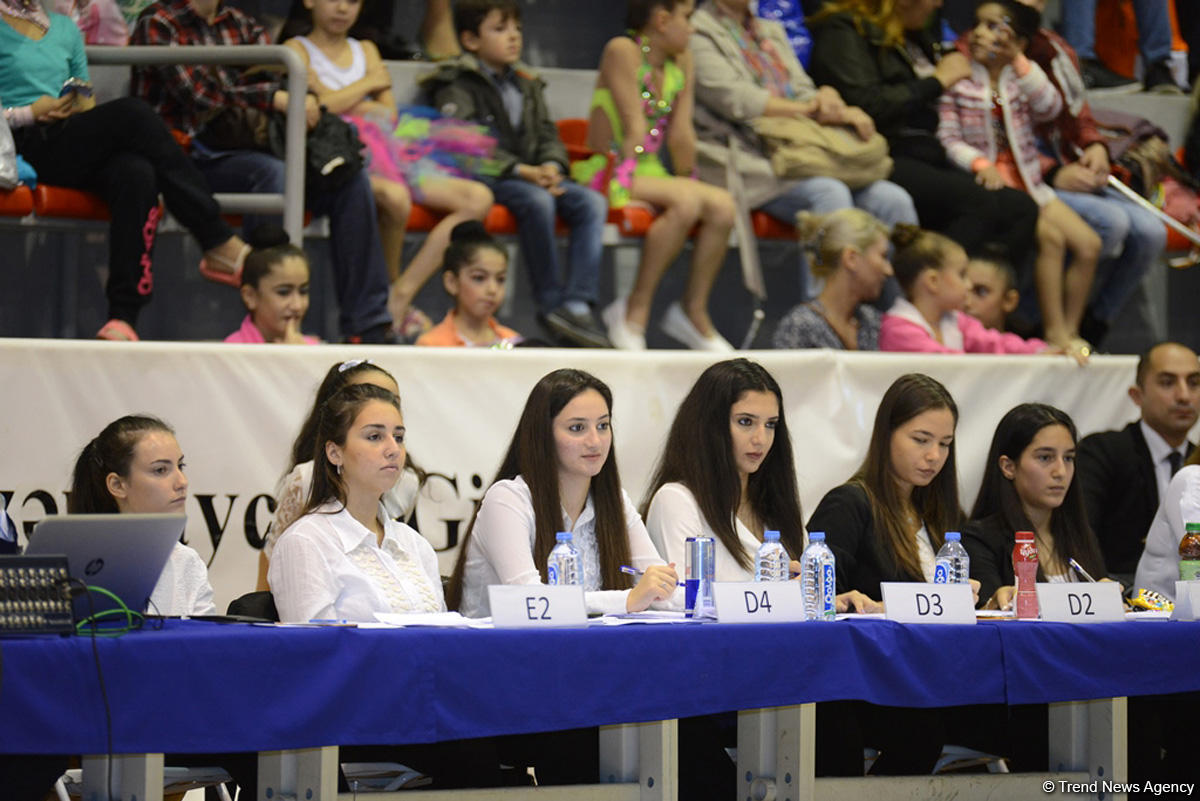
(986, 123)
(932, 271)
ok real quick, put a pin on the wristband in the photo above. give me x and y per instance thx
(980, 164)
(19, 116)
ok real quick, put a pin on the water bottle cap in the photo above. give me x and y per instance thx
(1191, 526)
(770, 536)
(816, 536)
(953, 536)
(563, 536)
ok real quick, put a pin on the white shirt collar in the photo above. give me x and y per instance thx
(350, 533)
(1159, 449)
(951, 336)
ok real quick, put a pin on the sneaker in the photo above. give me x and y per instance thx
(1159, 80)
(676, 325)
(620, 333)
(582, 329)
(1099, 78)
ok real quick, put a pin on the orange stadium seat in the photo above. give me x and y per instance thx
(17, 202)
(58, 201)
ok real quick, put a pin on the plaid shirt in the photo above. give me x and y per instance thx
(187, 96)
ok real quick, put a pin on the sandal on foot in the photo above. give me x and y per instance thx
(231, 277)
(117, 331)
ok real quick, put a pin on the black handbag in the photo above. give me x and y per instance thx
(333, 153)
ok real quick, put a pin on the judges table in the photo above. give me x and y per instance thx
(196, 686)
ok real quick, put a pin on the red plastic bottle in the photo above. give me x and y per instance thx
(1025, 567)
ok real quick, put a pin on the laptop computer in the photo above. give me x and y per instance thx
(124, 554)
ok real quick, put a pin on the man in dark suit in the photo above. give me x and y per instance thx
(1124, 473)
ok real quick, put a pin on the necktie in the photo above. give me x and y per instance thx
(1176, 460)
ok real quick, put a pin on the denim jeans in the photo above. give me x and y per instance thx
(883, 199)
(585, 213)
(359, 272)
(1153, 24)
(1132, 239)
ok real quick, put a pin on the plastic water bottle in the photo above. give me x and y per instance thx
(953, 564)
(772, 562)
(564, 565)
(818, 579)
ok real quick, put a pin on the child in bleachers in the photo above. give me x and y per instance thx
(644, 99)
(987, 127)
(274, 290)
(932, 271)
(100, 21)
(993, 295)
(489, 84)
(474, 274)
(350, 79)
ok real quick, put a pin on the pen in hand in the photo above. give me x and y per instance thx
(1079, 569)
(633, 571)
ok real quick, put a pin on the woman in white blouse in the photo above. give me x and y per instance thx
(1158, 569)
(135, 466)
(560, 475)
(346, 558)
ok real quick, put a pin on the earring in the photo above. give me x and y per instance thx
(339, 469)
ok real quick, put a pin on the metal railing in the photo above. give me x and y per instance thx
(291, 202)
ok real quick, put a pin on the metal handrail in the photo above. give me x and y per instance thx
(295, 129)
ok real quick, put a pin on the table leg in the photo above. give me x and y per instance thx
(1091, 736)
(306, 773)
(776, 753)
(137, 776)
(646, 753)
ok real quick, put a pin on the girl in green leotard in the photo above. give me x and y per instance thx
(643, 101)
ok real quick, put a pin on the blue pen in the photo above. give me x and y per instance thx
(330, 622)
(633, 571)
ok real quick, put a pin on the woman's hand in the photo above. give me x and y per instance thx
(857, 602)
(975, 585)
(860, 121)
(52, 109)
(1002, 598)
(658, 583)
(952, 68)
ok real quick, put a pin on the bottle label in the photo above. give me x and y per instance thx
(1189, 569)
(941, 573)
(552, 573)
(828, 588)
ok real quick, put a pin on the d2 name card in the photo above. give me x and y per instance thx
(914, 602)
(758, 601)
(1094, 602)
(537, 606)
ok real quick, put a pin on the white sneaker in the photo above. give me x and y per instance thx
(676, 325)
(620, 333)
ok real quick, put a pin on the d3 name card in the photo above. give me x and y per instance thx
(1094, 602)
(537, 606)
(758, 601)
(913, 602)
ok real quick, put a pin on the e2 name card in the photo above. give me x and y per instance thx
(537, 606)
(914, 602)
(758, 601)
(1093, 602)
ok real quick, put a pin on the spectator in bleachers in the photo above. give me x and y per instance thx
(100, 21)
(118, 150)
(848, 252)
(377, 23)
(274, 290)
(350, 79)
(489, 84)
(187, 97)
(987, 127)
(994, 294)
(644, 98)
(746, 69)
(881, 57)
(1132, 238)
(1078, 25)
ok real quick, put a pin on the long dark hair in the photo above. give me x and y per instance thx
(333, 423)
(936, 503)
(699, 455)
(1073, 537)
(532, 454)
(111, 451)
(338, 376)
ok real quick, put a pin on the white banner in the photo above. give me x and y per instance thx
(237, 408)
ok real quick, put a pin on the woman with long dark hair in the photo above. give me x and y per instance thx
(559, 474)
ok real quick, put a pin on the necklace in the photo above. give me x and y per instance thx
(652, 104)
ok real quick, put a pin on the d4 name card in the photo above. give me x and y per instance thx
(1094, 602)
(913, 602)
(758, 601)
(537, 606)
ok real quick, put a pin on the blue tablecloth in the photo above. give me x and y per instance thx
(197, 687)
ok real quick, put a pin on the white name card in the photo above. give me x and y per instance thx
(758, 601)
(1094, 602)
(537, 606)
(913, 602)
(1187, 601)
